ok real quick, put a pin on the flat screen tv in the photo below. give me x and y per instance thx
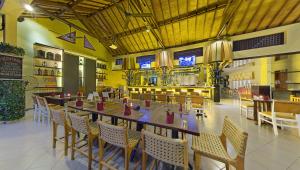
(187, 61)
(145, 64)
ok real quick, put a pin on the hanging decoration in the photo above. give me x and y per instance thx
(165, 63)
(87, 44)
(70, 37)
(128, 66)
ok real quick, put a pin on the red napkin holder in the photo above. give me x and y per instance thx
(79, 103)
(125, 100)
(147, 103)
(100, 106)
(180, 107)
(127, 110)
(170, 118)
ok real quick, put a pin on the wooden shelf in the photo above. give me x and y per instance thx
(292, 83)
(50, 87)
(46, 59)
(47, 67)
(45, 75)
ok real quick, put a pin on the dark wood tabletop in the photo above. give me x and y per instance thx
(154, 115)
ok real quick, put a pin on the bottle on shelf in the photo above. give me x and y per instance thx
(55, 65)
(39, 71)
(58, 73)
(45, 72)
(52, 72)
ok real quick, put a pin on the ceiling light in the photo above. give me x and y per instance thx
(113, 46)
(148, 28)
(28, 7)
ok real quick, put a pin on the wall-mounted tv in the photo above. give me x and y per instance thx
(187, 61)
(145, 64)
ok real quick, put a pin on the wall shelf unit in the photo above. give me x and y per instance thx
(48, 68)
(101, 74)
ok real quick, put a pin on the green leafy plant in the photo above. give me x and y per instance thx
(10, 49)
(12, 100)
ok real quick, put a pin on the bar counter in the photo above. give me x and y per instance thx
(206, 91)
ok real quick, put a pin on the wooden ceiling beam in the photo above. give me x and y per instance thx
(174, 19)
(63, 20)
(229, 13)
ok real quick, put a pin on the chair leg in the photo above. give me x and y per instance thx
(66, 140)
(90, 151)
(197, 161)
(54, 133)
(73, 144)
(144, 160)
(240, 165)
(258, 119)
(100, 153)
(227, 166)
(298, 123)
(127, 157)
(275, 127)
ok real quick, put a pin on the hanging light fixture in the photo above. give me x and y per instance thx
(219, 51)
(129, 67)
(164, 62)
(28, 7)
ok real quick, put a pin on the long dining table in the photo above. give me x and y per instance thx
(155, 115)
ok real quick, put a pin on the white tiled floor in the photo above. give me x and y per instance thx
(26, 145)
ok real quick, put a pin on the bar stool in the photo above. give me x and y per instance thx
(118, 136)
(197, 105)
(82, 125)
(171, 151)
(59, 119)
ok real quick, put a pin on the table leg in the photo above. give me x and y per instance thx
(255, 112)
(94, 117)
(298, 122)
(114, 121)
(175, 134)
(139, 126)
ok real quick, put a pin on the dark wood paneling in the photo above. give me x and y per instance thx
(70, 72)
(90, 75)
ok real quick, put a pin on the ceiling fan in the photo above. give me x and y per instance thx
(129, 14)
(68, 34)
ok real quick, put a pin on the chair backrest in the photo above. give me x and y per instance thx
(42, 104)
(58, 116)
(161, 97)
(294, 98)
(183, 93)
(147, 96)
(172, 151)
(286, 106)
(197, 99)
(263, 106)
(79, 123)
(169, 92)
(115, 135)
(96, 95)
(195, 94)
(236, 136)
(135, 95)
(180, 99)
(90, 97)
(158, 92)
(105, 94)
(34, 99)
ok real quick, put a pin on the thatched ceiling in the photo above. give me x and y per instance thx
(172, 22)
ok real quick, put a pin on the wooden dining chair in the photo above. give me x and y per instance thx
(197, 103)
(135, 96)
(215, 147)
(246, 105)
(283, 114)
(294, 98)
(168, 150)
(118, 136)
(59, 119)
(82, 125)
(44, 109)
(161, 98)
(36, 111)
